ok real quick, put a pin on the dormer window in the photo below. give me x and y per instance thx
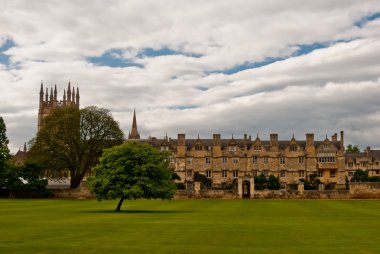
(198, 147)
(232, 148)
(164, 148)
(257, 148)
(293, 147)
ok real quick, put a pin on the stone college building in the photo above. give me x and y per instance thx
(231, 161)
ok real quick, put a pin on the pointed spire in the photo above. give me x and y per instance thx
(73, 99)
(64, 96)
(232, 136)
(77, 101)
(42, 92)
(69, 92)
(293, 136)
(25, 147)
(51, 93)
(47, 94)
(55, 92)
(134, 133)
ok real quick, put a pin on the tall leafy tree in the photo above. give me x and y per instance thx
(4, 151)
(131, 171)
(72, 139)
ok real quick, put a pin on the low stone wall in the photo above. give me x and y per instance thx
(82, 192)
(357, 191)
(216, 194)
(365, 190)
(308, 194)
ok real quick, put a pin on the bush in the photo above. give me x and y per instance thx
(206, 182)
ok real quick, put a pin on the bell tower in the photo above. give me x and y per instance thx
(48, 103)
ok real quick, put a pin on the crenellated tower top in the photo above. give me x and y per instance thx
(48, 103)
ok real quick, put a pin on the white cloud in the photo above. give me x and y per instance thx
(324, 91)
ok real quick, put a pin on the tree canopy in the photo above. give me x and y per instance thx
(352, 149)
(362, 176)
(25, 180)
(131, 171)
(72, 139)
(4, 151)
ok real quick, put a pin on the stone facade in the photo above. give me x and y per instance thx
(369, 160)
(235, 161)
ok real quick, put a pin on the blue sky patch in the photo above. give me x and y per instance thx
(4, 59)
(113, 58)
(150, 52)
(202, 88)
(303, 49)
(248, 65)
(182, 107)
(364, 20)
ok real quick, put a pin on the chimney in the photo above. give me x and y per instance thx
(274, 140)
(368, 151)
(181, 146)
(334, 138)
(181, 139)
(245, 136)
(341, 141)
(310, 139)
(216, 139)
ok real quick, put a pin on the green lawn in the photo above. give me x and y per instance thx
(190, 226)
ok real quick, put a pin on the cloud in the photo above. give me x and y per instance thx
(200, 66)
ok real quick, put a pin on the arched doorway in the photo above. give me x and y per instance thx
(246, 189)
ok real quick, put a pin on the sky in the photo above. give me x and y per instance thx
(198, 67)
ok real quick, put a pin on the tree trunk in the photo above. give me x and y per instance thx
(75, 181)
(119, 205)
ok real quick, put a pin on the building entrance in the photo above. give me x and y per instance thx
(246, 189)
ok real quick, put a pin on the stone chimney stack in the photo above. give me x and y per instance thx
(368, 151)
(342, 140)
(181, 145)
(216, 149)
(216, 139)
(274, 141)
(310, 148)
(310, 139)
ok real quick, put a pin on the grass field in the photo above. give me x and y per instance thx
(190, 226)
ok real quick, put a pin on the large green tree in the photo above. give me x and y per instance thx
(131, 171)
(72, 139)
(4, 151)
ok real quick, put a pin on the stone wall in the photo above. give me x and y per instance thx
(82, 192)
(217, 194)
(364, 190)
(357, 191)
